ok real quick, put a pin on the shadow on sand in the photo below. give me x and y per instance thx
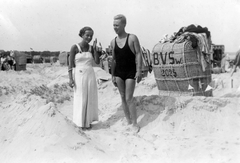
(148, 110)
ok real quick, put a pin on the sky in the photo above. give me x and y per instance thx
(54, 24)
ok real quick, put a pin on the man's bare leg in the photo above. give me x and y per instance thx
(133, 112)
(121, 89)
(130, 86)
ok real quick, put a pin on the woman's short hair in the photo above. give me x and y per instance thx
(121, 17)
(83, 30)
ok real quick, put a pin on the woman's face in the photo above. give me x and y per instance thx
(87, 37)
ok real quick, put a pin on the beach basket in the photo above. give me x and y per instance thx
(20, 58)
(178, 70)
(37, 59)
(53, 59)
(146, 61)
(63, 58)
(20, 67)
(29, 58)
(46, 59)
(145, 70)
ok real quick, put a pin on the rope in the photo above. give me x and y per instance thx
(200, 83)
(210, 76)
(185, 69)
(181, 79)
(164, 76)
(175, 78)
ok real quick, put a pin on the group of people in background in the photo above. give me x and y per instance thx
(7, 62)
(236, 62)
(228, 64)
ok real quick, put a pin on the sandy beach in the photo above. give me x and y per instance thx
(36, 122)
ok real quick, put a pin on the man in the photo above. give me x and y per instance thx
(126, 67)
(236, 62)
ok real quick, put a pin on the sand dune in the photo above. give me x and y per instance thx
(36, 126)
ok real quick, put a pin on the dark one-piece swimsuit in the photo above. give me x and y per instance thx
(125, 61)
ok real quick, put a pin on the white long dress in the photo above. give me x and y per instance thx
(85, 100)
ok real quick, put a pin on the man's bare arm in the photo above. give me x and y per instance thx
(137, 50)
(113, 65)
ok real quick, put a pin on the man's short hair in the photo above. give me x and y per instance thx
(121, 17)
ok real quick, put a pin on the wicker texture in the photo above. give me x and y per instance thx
(20, 58)
(63, 58)
(176, 66)
(20, 67)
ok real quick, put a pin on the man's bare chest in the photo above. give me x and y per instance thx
(121, 42)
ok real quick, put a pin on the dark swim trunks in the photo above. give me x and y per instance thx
(125, 61)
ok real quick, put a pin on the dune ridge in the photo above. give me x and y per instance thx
(36, 126)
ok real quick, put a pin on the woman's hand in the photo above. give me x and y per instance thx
(71, 83)
(95, 45)
(96, 48)
(99, 48)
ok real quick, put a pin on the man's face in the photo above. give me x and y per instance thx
(118, 26)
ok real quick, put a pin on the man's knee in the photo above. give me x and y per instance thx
(122, 96)
(129, 100)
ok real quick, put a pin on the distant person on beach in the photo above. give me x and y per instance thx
(5, 66)
(126, 67)
(83, 80)
(1, 62)
(104, 59)
(11, 62)
(225, 65)
(236, 62)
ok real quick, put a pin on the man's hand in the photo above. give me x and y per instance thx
(71, 83)
(138, 76)
(114, 81)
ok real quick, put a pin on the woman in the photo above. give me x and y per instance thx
(82, 79)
